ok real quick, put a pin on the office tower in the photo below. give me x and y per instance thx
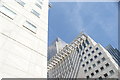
(114, 52)
(23, 38)
(55, 47)
(83, 58)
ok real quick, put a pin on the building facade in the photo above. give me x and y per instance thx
(83, 58)
(55, 47)
(23, 38)
(114, 52)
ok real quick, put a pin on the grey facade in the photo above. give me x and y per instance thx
(114, 52)
(55, 47)
(83, 58)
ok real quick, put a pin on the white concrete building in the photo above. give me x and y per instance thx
(55, 47)
(23, 38)
(83, 58)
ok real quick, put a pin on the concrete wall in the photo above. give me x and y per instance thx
(23, 53)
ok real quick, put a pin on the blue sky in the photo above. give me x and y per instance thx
(97, 19)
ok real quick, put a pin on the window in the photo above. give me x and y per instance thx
(89, 68)
(87, 62)
(83, 53)
(86, 50)
(102, 68)
(96, 71)
(87, 77)
(20, 2)
(103, 59)
(87, 42)
(81, 60)
(97, 48)
(92, 74)
(39, 6)
(99, 53)
(90, 47)
(94, 65)
(7, 12)
(91, 59)
(100, 78)
(30, 27)
(111, 72)
(93, 51)
(95, 56)
(98, 62)
(80, 47)
(89, 54)
(83, 44)
(85, 57)
(106, 64)
(35, 13)
(40, 1)
(83, 65)
(79, 55)
(105, 75)
(85, 70)
(77, 50)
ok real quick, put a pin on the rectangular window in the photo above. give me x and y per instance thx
(83, 53)
(92, 74)
(95, 56)
(83, 44)
(87, 62)
(85, 57)
(89, 54)
(106, 64)
(86, 50)
(97, 48)
(93, 51)
(20, 2)
(7, 12)
(90, 47)
(35, 13)
(83, 65)
(39, 6)
(91, 59)
(94, 65)
(89, 68)
(40, 1)
(96, 71)
(85, 70)
(87, 77)
(80, 47)
(103, 59)
(105, 75)
(77, 49)
(87, 42)
(100, 53)
(111, 72)
(30, 27)
(98, 62)
(102, 68)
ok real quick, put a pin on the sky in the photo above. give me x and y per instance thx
(99, 20)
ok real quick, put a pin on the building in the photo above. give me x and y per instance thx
(115, 53)
(83, 58)
(23, 38)
(55, 47)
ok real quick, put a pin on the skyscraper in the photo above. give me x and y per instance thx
(83, 58)
(114, 52)
(55, 47)
(23, 38)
